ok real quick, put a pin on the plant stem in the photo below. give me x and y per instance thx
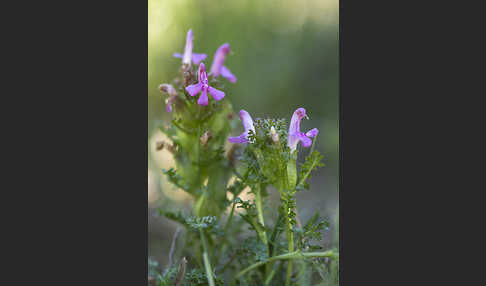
(207, 264)
(230, 218)
(313, 145)
(258, 202)
(290, 242)
(225, 231)
(269, 278)
(289, 256)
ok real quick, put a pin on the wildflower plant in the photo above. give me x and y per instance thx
(219, 247)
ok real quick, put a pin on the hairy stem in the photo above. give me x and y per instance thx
(290, 242)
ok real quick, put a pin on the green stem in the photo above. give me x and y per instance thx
(313, 145)
(203, 197)
(289, 256)
(258, 202)
(290, 242)
(207, 264)
(225, 231)
(228, 222)
(275, 235)
(270, 276)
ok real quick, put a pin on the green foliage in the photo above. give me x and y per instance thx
(288, 205)
(278, 229)
(312, 231)
(251, 250)
(312, 161)
(194, 277)
(177, 217)
(236, 187)
(153, 268)
(219, 247)
(201, 222)
(251, 217)
(176, 179)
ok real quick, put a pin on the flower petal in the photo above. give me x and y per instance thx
(177, 55)
(203, 99)
(306, 142)
(197, 58)
(167, 88)
(219, 58)
(292, 141)
(225, 72)
(239, 139)
(216, 94)
(295, 120)
(201, 74)
(188, 49)
(246, 120)
(194, 89)
(312, 133)
(168, 107)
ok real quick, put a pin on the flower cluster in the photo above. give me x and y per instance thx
(203, 88)
(294, 134)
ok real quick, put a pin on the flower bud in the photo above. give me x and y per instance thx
(170, 90)
(167, 88)
(205, 138)
(274, 134)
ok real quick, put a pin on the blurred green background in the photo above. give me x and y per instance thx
(285, 55)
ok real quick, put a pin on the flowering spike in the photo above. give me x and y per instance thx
(247, 124)
(217, 68)
(294, 131)
(169, 89)
(203, 87)
(188, 54)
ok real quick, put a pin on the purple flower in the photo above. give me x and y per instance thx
(203, 87)
(294, 131)
(217, 67)
(248, 124)
(188, 54)
(169, 89)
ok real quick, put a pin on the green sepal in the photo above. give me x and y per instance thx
(292, 171)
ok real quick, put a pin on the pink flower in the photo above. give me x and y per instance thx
(294, 131)
(247, 124)
(170, 90)
(188, 54)
(217, 68)
(203, 87)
